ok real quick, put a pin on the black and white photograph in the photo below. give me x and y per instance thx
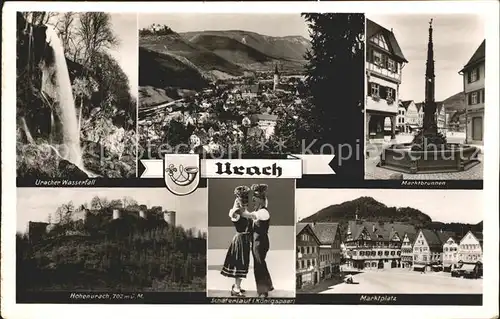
(425, 96)
(110, 240)
(373, 241)
(251, 238)
(76, 95)
(251, 84)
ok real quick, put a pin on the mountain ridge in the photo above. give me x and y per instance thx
(276, 47)
(210, 55)
(369, 209)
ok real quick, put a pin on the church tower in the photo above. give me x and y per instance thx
(276, 80)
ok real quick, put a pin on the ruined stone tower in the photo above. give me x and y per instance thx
(169, 217)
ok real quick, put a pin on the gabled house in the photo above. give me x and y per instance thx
(412, 116)
(470, 249)
(401, 117)
(427, 250)
(307, 260)
(420, 110)
(329, 249)
(450, 253)
(407, 250)
(441, 117)
(384, 64)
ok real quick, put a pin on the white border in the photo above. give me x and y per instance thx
(137, 142)
(489, 309)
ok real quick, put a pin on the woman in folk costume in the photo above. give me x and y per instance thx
(260, 244)
(238, 255)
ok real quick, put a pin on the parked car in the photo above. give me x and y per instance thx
(472, 271)
(457, 272)
(471, 275)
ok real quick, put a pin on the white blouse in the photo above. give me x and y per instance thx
(234, 217)
(262, 214)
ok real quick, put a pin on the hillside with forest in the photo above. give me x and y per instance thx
(368, 209)
(131, 253)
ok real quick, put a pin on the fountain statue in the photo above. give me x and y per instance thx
(429, 151)
(429, 133)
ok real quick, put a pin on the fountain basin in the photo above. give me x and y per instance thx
(409, 158)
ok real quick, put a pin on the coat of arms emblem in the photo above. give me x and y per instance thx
(182, 173)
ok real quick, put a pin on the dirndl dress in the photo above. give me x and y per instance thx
(238, 254)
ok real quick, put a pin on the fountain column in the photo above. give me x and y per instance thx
(429, 125)
(429, 151)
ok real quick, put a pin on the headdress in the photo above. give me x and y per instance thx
(259, 190)
(242, 193)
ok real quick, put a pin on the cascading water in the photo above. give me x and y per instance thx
(55, 79)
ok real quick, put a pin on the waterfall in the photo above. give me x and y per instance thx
(55, 79)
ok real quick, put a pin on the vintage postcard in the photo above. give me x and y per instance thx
(250, 159)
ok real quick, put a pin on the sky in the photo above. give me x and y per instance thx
(266, 24)
(35, 204)
(465, 206)
(125, 28)
(456, 38)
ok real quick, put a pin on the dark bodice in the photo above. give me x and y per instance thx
(243, 225)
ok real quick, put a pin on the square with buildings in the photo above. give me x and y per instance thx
(386, 249)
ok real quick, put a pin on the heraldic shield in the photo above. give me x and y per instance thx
(181, 173)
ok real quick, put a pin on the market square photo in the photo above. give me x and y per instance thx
(381, 241)
(425, 97)
(251, 238)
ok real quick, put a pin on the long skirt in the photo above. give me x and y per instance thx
(237, 257)
(262, 276)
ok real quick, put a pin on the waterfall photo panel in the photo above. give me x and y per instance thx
(251, 238)
(76, 95)
(118, 240)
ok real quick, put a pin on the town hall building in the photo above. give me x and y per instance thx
(375, 245)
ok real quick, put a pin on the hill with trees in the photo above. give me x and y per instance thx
(369, 209)
(100, 253)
